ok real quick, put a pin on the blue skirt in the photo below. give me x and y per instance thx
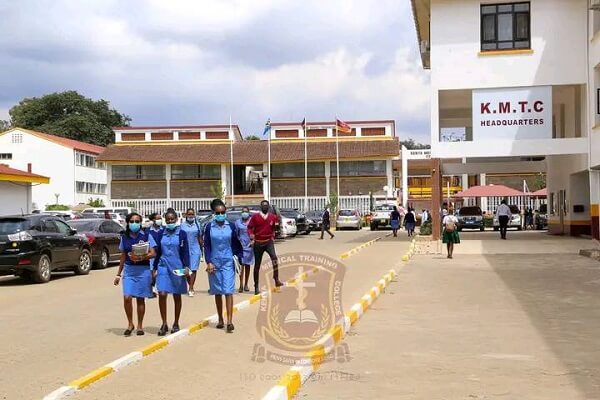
(395, 223)
(168, 282)
(137, 281)
(222, 280)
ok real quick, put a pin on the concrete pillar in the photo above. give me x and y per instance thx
(266, 187)
(327, 176)
(147, 136)
(484, 202)
(118, 137)
(389, 171)
(202, 135)
(464, 183)
(176, 136)
(168, 178)
(404, 173)
(358, 131)
(436, 197)
(108, 185)
(330, 132)
(224, 179)
(301, 133)
(595, 203)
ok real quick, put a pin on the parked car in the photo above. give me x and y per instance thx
(301, 224)
(380, 216)
(104, 237)
(32, 246)
(256, 208)
(288, 226)
(64, 215)
(470, 218)
(515, 221)
(314, 219)
(541, 218)
(348, 218)
(113, 210)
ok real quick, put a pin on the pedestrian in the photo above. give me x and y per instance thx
(504, 215)
(326, 224)
(247, 251)
(194, 235)
(402, 212)
(261, 229)
(137, 278)
(424, 217)
(529, 219)
(107, 214)
(410, 221)
(221, 243)
(154, 230)
(171, 268)
(450, 235)
(395, 220)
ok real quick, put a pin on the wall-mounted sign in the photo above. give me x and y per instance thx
(512, 113)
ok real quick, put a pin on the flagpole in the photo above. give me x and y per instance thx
(305, 168)
(337, 161)
(231, 154)
(269, 162)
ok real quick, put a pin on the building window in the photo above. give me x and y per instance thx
(89, 161)
(196, 171)
(359, 168)
(505, 26)
(90, 187)
(17, 138)
(296, 170)
(138, 172)
(5, 156)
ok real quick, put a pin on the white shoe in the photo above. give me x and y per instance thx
(191, 293)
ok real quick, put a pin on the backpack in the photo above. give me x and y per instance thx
(450, 225)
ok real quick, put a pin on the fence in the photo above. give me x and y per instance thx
(148, 206)
(522, 202)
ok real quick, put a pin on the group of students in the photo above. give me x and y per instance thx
(408, 218)
(174, 257)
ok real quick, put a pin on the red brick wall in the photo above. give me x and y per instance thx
(373, 131)
(316, 132)
(217, 135)
(162, 135)
(133, 137)
(141, 190)
(295, 187)
(189, 135)
(286, 133)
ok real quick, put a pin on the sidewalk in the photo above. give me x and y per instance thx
(507, 326)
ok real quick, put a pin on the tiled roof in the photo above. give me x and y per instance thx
(250, 151)
(73, 144)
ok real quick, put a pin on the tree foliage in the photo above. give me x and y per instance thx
(71, 115)
(410, 144)
(4, 125)
(252, 137)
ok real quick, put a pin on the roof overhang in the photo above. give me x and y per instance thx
(421, 13)
(23, 178)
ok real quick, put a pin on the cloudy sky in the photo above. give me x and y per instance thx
(200, 61)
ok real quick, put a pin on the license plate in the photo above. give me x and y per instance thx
(384, 221)
(346, 218)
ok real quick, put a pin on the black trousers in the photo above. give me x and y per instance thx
(325, 228)
(503, 220)
(259, 250)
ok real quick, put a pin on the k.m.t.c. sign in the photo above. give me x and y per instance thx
(512, 113)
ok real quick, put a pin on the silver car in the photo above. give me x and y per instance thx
(347, 218)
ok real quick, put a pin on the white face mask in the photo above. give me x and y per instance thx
(158, 222)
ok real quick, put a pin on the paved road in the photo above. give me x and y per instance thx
(62, 330)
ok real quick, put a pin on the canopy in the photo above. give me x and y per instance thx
(540, 193)
(489, 191)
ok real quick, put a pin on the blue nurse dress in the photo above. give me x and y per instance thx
(193, 233)
(137, 278)
(247, 251)
(172, 254)
(220, 244)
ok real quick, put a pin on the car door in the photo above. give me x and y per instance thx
(52, 236)
(71, 242)
(111, 236)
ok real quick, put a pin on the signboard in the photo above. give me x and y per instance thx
(512, 113)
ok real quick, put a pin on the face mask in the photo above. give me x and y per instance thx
(134, 227)
(264, 210)
(190, 219)
(158, 222)
(220, 217)
(245, 215)
(171, 226)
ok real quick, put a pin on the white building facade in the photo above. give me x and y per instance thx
(74, 174)
(515, 82)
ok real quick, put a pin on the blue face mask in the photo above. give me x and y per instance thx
(135, 227)
(245, 215)
(171, 226)
(220, 217)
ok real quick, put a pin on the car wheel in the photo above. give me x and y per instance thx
(373, 227)
(43, 271)
(307, 232)
(104, 258)
(482, 229)
(85, 263)
(519, 228)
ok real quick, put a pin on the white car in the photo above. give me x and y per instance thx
(288, 227)
(515, 221)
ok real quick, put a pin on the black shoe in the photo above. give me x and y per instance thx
(140, 332)
(241, 289)
(163, 330)
(246, 289)
(256, 291)
(278, 283)
(220, 325)
(175, 328)
(230, 328)
(128, 332)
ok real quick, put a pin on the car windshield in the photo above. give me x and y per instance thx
(314, 214)
(84, 226)
(469, 211)
(346, 213)
(514, 210)
(13, 225)
(384, 207)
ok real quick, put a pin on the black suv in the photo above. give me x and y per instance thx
(32, 246)
(470, 218)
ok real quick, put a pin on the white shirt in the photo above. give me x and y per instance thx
(424, 216)
(449, 218)
(503, 210)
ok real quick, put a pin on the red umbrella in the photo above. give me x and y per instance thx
(490, 191)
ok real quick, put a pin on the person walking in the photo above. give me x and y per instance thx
(395, 221)
(402, 212)
(170, 269)
(410, 221)
(155, 230)
(221, 243)
(424, 217)
(326, 224)
(194, 236)
(135, 271)
(261, 229)
(450, 235)
(247, 251)
(504, 215)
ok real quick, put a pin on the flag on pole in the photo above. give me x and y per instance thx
(303, 124)
(342, 126)
(267, 127)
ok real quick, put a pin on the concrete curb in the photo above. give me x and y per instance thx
(358, 248)
(136, 356)
(291, 382)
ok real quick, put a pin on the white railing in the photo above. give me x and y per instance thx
(148, 206)
(522, 202)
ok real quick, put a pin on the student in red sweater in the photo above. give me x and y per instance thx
(261, 229)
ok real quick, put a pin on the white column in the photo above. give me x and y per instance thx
(388, 130)
(301, 133)
(389, 171)
(329, 132)
(404, 173)
(147, 136)
(327, 176)
(176, 136)
(224, 178)
(484, 200)
(168, 177)
(265, 180)
(358, 131)
(118, 137)
(108, 185)
(202, 135)
(28, 196)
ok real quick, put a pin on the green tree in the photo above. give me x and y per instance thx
(410, 144)
(95, 202)
(540, 181)
(217, 191)
(71, 115)
(252, 137)
(4, 125)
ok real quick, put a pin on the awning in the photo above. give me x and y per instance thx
(489, 191)
(540, 193)
(8, 174)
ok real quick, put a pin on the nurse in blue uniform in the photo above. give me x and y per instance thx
(220, 244)
(172, 255)
(154, 230)
(248, 253)
(194, 236)
(137, 277)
